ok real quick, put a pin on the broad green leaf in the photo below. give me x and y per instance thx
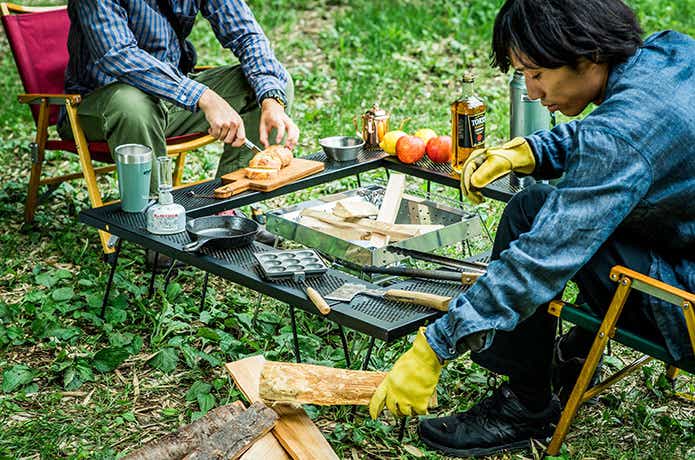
(165, 360)
(109, 358)
(206, 402)
(197, 389)
(205, 316)
(208, 333)
(63, 333)
(173, 290)
(16, 377)
(46, 279)
(115, 315)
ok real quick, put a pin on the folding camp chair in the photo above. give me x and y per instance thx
(38, 40)
(606, 329)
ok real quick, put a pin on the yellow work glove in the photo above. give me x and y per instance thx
(486, 165)
(407, 389)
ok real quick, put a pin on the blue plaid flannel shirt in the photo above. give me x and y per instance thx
(131, 41)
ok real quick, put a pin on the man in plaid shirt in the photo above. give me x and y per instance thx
(131, 62)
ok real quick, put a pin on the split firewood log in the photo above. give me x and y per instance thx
(225, 432)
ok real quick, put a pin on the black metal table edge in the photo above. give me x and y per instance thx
(296, 297)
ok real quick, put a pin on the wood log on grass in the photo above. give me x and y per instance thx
(320, 385)
(294, 429)
(293, 383)
(223, 433)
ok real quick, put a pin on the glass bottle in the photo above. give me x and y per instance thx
(166, 217)
(467, 123)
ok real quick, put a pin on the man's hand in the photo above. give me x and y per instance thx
(407, 389)
(225, 123)
(273, 116)
(486, 165)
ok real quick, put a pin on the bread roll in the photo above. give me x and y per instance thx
(265, 161)
(281, 153)
(261, 173)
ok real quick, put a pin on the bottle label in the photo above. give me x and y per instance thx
(471, 130)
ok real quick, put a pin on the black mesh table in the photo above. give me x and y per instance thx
(502, 189)
(378, 318)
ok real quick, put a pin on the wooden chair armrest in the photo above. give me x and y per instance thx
(652, 286)
(54, 99)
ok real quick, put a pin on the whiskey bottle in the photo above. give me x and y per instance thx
(467, 124)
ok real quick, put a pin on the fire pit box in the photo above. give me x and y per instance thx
(458, 225)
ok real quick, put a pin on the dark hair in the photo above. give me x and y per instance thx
(553, 33)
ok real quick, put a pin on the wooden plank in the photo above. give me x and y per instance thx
(395, 232)
(389, 206)
(354, 207)
(266, 448)
(294, 429)
(320, 385)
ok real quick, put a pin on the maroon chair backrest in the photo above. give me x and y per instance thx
(39, 44)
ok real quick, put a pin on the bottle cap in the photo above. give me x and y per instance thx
(468, 77)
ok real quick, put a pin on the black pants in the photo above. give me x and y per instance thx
(525, 354)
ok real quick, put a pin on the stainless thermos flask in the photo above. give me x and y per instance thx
(525, 116)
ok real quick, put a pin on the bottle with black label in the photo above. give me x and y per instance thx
(467, 124)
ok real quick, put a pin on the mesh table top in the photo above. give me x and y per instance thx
(379, 318)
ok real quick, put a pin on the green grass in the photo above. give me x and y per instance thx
(76, 386)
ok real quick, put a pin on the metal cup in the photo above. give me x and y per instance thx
(134, 165)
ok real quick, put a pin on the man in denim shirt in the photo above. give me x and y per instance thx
(626, 198)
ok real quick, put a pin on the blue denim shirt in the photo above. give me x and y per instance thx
(629, 165)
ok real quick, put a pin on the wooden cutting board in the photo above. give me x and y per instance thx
(236, 182)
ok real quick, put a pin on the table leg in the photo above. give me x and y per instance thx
(170, 272)
(150, 291)
(110, 281)
(205, 290)
(401, 429)
(257, 309)
(343, 340)
(295, 339)
(365, 363)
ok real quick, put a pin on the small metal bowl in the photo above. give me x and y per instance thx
(342, 148)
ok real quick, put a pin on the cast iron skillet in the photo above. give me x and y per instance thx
(223, 231)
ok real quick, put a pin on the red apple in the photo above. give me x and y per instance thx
(410, 149)
(439, 149)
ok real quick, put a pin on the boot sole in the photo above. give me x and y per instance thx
(479, 451)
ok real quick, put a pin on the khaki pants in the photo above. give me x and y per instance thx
(122, 114)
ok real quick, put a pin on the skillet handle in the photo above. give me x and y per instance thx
(193, 246)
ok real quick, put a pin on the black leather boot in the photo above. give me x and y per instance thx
(496, 424)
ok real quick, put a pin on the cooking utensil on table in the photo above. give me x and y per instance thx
(342, 148)
(223, 231)
(295, 265)
(348, 291)
(465, 278)
(251, 146)
(193, 194)
(441, 260)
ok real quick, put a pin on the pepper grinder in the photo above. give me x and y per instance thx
(165, 217)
